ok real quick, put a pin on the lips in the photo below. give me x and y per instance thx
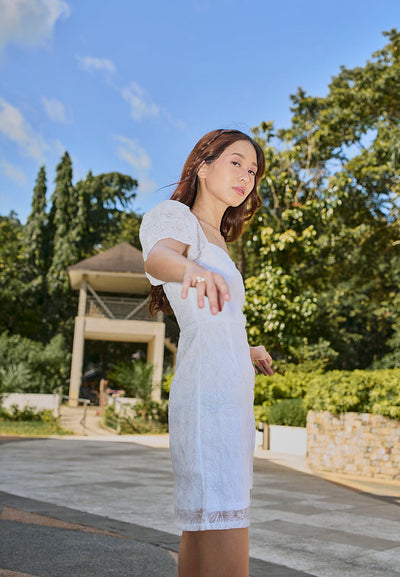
(239, 189)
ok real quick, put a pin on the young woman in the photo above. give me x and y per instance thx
(211, 418)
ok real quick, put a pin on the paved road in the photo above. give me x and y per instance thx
(301, 525)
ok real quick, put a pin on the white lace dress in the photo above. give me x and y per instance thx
(211, 420)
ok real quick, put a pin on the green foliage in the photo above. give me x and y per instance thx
(35, 230)
(167, 382)
(322, 258)
(155, 422)
(29, 422)
(269, 390)
(30, 366)
(26, 414)
(135, 378)
(289, 412)
(356, 391)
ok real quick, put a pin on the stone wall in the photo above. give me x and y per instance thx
(356, 444)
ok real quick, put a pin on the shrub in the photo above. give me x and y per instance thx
(134, 377)
(290, 412)
(359, 391)
(127, 424)
(269, 390)
(32, 367)
(167, 382)
(335, 391)
(26, 414)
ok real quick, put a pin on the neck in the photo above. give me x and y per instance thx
(211, 215)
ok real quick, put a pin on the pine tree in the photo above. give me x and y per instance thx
(35, 233)
(61, 218)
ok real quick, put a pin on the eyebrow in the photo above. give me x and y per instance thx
(241, 156)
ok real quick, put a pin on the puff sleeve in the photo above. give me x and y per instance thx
(170, 219)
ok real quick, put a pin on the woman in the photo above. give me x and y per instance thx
(211, 418)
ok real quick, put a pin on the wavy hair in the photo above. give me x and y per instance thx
(207, 150)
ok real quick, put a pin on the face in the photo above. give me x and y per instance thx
(231, 177)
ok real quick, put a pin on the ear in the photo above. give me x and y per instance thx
(202, 170)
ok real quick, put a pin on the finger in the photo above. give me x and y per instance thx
(222, 287)
(212, 295)
(201, 291)
(187, 283)
(264, 368)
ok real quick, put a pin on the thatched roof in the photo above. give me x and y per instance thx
(118, 269)
(121, 258)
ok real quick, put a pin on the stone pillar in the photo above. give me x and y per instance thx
(155, 355)
(78, 348)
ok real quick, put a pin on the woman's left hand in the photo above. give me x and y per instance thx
(262, 360)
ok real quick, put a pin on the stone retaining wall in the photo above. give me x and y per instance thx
(357, 444)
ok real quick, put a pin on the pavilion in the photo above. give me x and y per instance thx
(120, 271)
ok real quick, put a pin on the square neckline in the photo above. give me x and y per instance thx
(206, 239)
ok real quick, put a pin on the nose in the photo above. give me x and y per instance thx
(245, 176)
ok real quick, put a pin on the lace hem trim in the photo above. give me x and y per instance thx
(201, 517)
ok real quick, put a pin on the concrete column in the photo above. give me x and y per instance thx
(82, 299)
(155, 355)
(77, 361)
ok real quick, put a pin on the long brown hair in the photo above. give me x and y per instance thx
(208, 149)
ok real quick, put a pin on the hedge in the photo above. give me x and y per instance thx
(360, 391)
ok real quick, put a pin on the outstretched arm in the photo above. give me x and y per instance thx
(167, 262)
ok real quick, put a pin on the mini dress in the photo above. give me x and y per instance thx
(211, 418)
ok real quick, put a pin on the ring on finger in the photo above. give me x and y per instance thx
(198, 279)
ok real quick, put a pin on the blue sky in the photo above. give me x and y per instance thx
(130, 86)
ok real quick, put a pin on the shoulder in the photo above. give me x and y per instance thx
(168, 208)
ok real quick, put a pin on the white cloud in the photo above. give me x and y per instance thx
(139, 102)
(89, 63)
(146, 186)
(135, 155)
(18, 130)
(13, 172)
(55, 110)
(29, 22)
(132, 153)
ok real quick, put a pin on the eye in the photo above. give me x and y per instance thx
(252, 172)
(235, 163)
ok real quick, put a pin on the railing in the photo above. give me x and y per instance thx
(118, 308)
(128, 308)
(85, 403)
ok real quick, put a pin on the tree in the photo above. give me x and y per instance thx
(35, 230)
(60, 220)
(329, 228)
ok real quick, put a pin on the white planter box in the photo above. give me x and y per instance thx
(37, 401)
(291, 440)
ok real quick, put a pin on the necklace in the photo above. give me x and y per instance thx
(209, 224)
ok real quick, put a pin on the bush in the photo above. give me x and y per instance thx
(290, 412)
(155, 423)
(269, 390)
(167, 382)
(26, 414)
(360, 391)
(30, 367)
(134, 377)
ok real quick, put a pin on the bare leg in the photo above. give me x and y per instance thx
(222, 553)
(187, 560)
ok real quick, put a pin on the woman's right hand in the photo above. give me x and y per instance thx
(207, 284)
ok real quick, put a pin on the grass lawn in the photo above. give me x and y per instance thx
(31, 428)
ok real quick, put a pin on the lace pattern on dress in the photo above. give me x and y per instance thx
(170, 219)
(212, 520)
